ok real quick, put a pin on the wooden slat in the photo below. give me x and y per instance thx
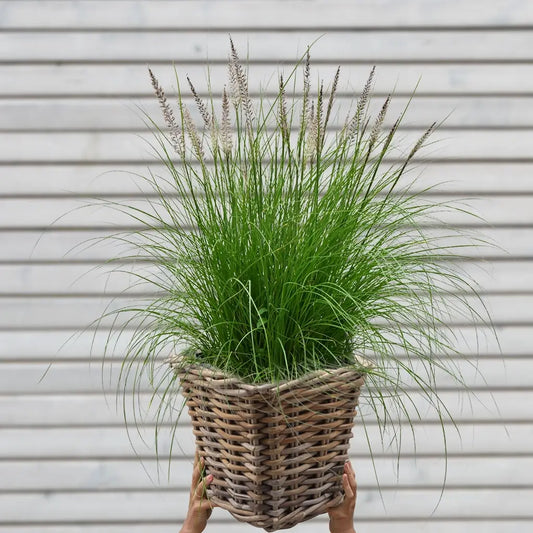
(20, 378)
(490, 277)
(341, 46)
(57, 345)
(86, 443)
(63, 410)
(52, 214)
(74, 114)
(58, 507)
(36, 245)
(472, 178)
(56, 244)
(124, 147)
(64, 377)
(147, 506)
(73, 278)
(247, 14)
(80, 312)
(107, 475)
(132, 80)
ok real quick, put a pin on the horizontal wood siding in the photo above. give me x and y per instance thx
(72, 79)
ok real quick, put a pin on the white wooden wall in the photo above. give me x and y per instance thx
(71, 73)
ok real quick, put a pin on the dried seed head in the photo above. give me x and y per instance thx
(201, 105)
(307, 80)
(192, 132)
(422, 140)
(214, 133)
(332, 96)
(176, 134)
(283, 112)
(355, 123)
(234, 85)
(318, 117)
(311, 117)
(376, 128)
(392, 132)
(239, 85)
(305, 100)
(363, 99)
(312, 136)
(320, 101)
(225, 131)
(307, 71)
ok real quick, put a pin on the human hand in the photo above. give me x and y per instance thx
(200, 507)
(341, 517)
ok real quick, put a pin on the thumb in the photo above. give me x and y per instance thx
(202, 486)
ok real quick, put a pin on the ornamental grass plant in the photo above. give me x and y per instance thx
(283, 245)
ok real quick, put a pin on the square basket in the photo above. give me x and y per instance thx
(276, 451)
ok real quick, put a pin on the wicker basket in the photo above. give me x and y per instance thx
(276, 452)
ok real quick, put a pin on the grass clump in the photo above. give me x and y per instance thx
(286, 247)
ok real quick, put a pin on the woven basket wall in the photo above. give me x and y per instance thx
(276, 452)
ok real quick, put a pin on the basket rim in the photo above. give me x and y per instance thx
(179, 363)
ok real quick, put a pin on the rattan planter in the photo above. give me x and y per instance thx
(277, 452)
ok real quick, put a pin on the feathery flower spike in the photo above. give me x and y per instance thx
(176, 134)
